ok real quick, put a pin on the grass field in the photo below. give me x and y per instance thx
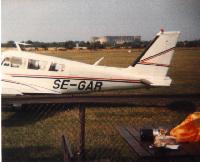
(34, 134)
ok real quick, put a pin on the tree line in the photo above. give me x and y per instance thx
(95, 45)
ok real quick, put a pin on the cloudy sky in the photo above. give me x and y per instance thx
(61, 20)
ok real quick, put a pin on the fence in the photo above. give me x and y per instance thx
(33, 132)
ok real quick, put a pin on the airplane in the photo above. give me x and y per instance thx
(31, 73)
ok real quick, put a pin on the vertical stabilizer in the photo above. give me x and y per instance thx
(155, 60)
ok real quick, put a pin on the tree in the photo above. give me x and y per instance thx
(69, 44)
(29, 42)
(10, 43)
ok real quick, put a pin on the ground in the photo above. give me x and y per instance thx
(33, 133)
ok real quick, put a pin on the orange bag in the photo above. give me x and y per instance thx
(188, 130)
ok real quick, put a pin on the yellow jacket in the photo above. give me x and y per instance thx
(188, 130)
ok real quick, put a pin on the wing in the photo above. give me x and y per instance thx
(10, 91)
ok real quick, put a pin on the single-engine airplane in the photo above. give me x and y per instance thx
(31, 73)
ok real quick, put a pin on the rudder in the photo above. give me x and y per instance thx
(155, 60)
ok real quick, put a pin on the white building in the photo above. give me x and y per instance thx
(115, 39)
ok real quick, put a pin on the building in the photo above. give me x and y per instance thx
(115, 39)
(80, 48)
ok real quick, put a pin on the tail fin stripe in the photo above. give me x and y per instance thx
(143, 53)
(149, 63)
(158, 54)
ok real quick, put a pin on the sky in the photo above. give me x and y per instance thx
(63, 20)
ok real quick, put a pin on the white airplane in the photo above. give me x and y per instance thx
(31, 73)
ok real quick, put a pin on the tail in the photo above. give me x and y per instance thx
(154, 62)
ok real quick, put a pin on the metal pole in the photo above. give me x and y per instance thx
(82, 131)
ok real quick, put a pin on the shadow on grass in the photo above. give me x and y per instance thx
(105, 153)
(46, 154)
(184, 106)
(29, 114)
(30, 154)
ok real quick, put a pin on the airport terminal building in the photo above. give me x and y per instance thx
(115, 39)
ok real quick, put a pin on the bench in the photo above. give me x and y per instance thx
(132, 136)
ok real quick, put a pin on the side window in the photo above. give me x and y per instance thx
(15, 62)
(36, 64)
(33, 64)
(56, 67)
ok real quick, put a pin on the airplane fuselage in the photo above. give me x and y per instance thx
(75, 77)
(25, 72)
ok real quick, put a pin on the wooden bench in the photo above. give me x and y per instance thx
(69, 157)
(132, 136)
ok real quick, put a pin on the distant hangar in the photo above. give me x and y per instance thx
(115, 39)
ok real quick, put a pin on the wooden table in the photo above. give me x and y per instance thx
(132, 136)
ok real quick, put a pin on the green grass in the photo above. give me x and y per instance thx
(34, 134)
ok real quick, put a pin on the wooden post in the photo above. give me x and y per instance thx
(82, 131)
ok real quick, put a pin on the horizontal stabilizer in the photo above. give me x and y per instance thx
(161, 82)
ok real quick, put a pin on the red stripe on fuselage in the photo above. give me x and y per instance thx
(75, 77)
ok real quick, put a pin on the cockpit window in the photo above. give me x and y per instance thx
(36, 64)
(6, 62)
(56, 67)
(15, 62)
